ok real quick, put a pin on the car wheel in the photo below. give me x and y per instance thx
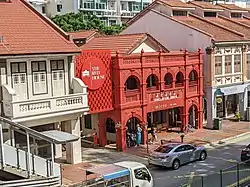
(203, 155)
(176, 164)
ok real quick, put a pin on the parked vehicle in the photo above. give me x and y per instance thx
(122, 174)
(175, 154)
(245, 154)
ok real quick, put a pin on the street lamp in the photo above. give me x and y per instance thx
(146, 125)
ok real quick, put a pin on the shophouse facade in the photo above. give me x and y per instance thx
(220, 30)
(38, 87)
(148, 87)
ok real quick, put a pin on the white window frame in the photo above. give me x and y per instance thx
(42, 74)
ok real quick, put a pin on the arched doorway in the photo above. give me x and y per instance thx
(193, 116)
(132, 83)
(131, 131)
(110, 130)
(132, 123)
(179, 79)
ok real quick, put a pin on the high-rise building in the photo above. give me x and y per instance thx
(109, 11)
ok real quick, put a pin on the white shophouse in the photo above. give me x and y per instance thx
(38, 87)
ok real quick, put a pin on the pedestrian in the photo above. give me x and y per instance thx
(138, 135)
(154, 134)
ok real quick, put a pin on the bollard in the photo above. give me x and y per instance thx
(182, 138)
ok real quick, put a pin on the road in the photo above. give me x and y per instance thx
(188, 175)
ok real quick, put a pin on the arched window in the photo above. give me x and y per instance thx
(110, 125)
(179, 79)
(152, 81)
(168, 79)
(193, 76)
(132, 83)
(132, 124)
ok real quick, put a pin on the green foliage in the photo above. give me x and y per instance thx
(84, 21)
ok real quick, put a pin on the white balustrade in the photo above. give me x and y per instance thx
(44, 106)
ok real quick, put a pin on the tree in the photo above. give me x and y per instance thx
(84, 21)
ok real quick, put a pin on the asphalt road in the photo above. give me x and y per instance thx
(190, 175)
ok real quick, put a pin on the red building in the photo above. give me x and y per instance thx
(153, 89)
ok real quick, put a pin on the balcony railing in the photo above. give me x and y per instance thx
(132, 95)
(179, 85)
(15, 109)
(168, 86)
(193, 86)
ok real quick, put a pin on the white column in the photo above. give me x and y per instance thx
(73, 149)
(58, 147)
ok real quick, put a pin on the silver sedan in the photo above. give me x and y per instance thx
(175, 154)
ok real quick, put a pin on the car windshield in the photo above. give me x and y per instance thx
(164, 149)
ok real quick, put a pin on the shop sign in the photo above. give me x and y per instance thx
(93, 73)
(165, 96)
(164, 106)
(219, 100)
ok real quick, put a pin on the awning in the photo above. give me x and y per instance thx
(230, 90)
(60, 137)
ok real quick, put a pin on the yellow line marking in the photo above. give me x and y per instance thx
(234, 171)
(240, 182)
(190, 180)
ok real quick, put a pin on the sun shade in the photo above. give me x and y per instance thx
(60, 137)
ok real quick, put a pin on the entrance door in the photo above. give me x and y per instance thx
(220, 107)
(231, 104)
(173, 117)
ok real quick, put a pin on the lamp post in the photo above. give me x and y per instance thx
(146, 125)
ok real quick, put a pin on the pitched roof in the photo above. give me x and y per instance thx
(86, 34)
(176, 4)
(232, 24)
(125, 43)
(25, 31)
(219, 33)
(231, 7)
(205, 5)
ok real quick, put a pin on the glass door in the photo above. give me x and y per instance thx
(220, 106)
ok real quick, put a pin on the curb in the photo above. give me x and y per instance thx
(227, 140)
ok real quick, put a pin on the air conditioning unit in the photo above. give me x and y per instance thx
(248, 114)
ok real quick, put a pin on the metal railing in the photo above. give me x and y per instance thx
(237, 175)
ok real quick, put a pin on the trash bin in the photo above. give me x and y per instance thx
(217, 123)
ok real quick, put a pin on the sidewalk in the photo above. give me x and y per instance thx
(206, 137)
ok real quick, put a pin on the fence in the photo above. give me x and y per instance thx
(237, 175)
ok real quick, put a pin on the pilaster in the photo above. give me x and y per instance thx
(244, 64)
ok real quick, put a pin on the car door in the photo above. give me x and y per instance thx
(142, 178)
(182, 154)
(190, 152)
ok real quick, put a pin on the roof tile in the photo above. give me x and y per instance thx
(217, 32)
(122, 43)
(25, 31)
(231, 7)
(178, 4)
(83, 34)
(205, 5)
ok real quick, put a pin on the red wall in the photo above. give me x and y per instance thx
(99, 91)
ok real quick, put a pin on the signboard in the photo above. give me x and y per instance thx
(93, 73)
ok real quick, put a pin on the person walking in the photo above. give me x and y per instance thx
(154, 134)
(138, 135)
